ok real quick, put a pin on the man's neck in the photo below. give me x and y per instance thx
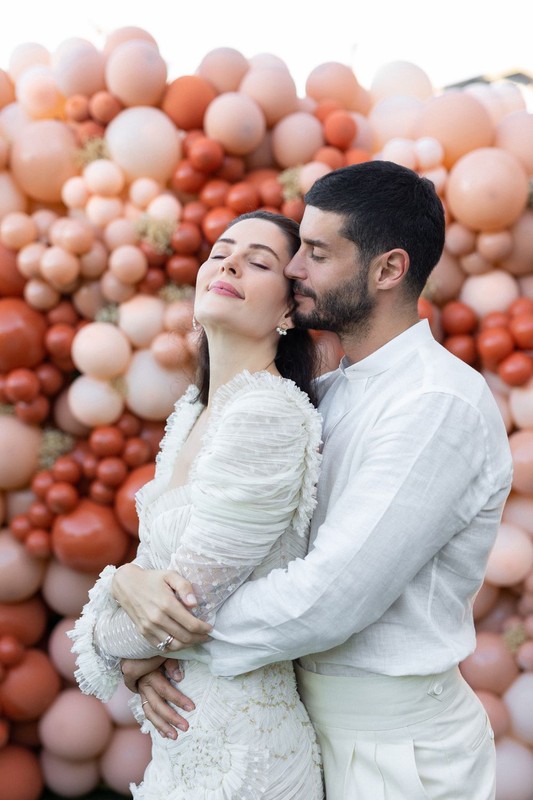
(360, 344)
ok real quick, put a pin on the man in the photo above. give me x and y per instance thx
(415, 472)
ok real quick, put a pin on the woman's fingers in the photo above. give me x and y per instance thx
(156, 693)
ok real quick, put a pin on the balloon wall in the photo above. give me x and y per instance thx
(115, 178)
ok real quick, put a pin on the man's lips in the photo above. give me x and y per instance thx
(221, 287)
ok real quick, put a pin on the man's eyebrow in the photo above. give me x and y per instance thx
(252, 246)
(315, 243)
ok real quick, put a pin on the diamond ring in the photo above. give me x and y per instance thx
(162, 646)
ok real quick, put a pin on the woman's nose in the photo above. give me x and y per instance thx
(228, 265)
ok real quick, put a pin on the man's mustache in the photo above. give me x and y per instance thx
(297, 289)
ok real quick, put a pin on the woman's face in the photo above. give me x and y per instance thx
(241, 287)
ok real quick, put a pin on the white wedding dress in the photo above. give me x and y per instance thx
(244, 511)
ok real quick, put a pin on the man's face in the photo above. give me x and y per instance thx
(330, 284)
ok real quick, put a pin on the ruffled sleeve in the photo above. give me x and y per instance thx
(253, 481)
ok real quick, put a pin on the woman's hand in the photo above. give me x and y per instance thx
(158, 601)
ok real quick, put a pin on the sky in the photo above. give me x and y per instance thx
(451, 40)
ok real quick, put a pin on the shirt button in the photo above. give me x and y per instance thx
(437, 689)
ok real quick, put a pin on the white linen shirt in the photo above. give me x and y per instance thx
(416, 468)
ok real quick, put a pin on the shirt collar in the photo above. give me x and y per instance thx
(389, 354)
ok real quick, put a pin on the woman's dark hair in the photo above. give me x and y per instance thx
(297, 356)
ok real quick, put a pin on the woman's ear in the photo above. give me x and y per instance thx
(286, 320)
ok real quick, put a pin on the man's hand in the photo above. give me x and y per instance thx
(134, 668)
(157, 692)
(158, 602)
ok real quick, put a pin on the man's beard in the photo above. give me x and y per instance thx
(346, 309)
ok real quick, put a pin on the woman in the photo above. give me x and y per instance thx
(232, 497)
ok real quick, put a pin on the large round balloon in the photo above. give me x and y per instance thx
(125, 508)
(43, 157)
(21, 575)
(89, 538)
(491, 667)
(76, 726)
(65, 590)
(487, 189)
(69, 778)
(20, 773)
(22, 331)
(125, 759)
(25, 441)
(25, 620)
(29, 687)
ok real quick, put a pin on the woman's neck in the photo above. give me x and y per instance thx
(229, 355)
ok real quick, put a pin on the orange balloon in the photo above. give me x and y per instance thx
(89, 538)
(11, 279)
(20, 774)
(458, 121)
(487, 189)
(186, 99)
(26, 621)
(125, 497)
(29, 687)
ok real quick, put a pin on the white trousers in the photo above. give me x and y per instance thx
(401, 738)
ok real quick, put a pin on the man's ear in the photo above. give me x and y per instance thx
(392, 269)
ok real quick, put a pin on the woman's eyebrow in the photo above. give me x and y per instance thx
(252, 246)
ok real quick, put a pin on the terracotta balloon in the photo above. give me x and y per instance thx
(487, 189)
(491, 666)
(12, 279)
(186, 99)
(394, 116)
(89, 538)
(21, 335)
(235, 120)
(78, 67)
(492, 291)
(25, 620)
(20, 773)
(223, 68)
(76, 726)
(93, 401)
(511, 557)
(65, 590)
(101, 350)
(514, 770)
(125, 497)
(43, 158)
(151, 389)
(29, 687)
(125, 759)
(521, 444)
(68, 778)
(144, 142)
(459, 121)
(59, 649)
(136, 73)
(296, 138)
(20, 574)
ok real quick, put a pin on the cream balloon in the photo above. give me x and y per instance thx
(25, 55)
(78, 67)
(273, 89)
(144, 142)
(394, 117)
(141, 319)
(519, 701)
(514, 770)
(102, 176)
(493, 291)
(511, 557)
(400, 78)
(94, 401)
(151, 389)
(101, 350)
(43, 157)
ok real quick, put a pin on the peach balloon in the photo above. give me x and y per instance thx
(236, 121)
(11, 197)
(224, 68)
(21, 575)
(65, 419)
(118, 709)
(59, 267)
(485, 600)
(38, 93)
(125, 34)
(78, 67)
(487, 189)
(94, 401)
(17, 229)
(120, 231)
(446, 280)
(401, 151)
(521, 444)
(511, 557)
(429, 152)
(75, 235)
(13, 120)
(364, 137)
(521, 405)
(525, 283)
(29, 259)
(44, 219)
(493, 291)
(141, 319)
(309, 173)
(170, 350)
(7, 89)
(74, 192)
(104, 177)
(115, 291)
(125, 759)
(178, 316)
(136, 73)
(151, 389)
(518, 511)
(520, 259)
(475, 264)
(102, 210)
(400, 78)
(335, 81)
(25, 441)
(296, 138)
(68, 778)
(65, 590)
(497, 712)
(494, 246)
(128, 263)
(25, 55)
(101, 350)
(273, 89)
(43, 158)
(143, 190)
(144, 142)
(514, 133)
(60, 649)
(262, 156)
(519, 701)
(41, 295)
(491, 666)
(392, 117)
(165, 207)
(503, 404)
(459, 121)
(76, 726)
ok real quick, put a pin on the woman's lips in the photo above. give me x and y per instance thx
(221, 287)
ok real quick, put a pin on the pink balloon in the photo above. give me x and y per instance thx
(125, 759)
(69, 778)
(515, 134)
(76, 726)
(237, 121)
(521, 444)
(514, 770)
(511, 557)
(21, 575)
(59, 649)
(518, 510)
(118, 708)
(491, 666)
(485, 600)
(295, 139)
(224, 68)
(78, 67)
(519, 261)
(497, 712)
(66, 590)
(136, 73)
(43, 158)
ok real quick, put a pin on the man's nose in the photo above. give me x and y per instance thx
(295, 268)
